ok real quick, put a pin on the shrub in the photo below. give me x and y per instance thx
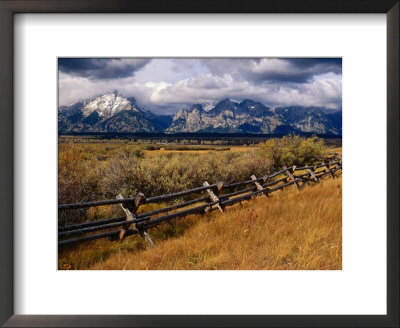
(292, 150)
(174, 172)
(128, 151)
(78, 181)
(152, 147)
(138, 152)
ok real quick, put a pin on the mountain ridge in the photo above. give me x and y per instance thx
(111, 112)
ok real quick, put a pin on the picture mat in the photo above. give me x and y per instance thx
(360, 288)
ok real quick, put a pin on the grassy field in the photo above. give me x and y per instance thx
(291, 230)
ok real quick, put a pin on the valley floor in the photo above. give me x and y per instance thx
(291, 230)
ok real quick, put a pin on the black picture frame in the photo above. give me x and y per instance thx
(8, 200)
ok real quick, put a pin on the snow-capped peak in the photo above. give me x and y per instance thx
(108, 105)
(207, 106)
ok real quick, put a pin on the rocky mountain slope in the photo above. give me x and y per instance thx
(115, 113)
(253, 117)
(109, 113)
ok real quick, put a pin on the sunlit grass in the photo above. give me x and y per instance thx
(291, 230)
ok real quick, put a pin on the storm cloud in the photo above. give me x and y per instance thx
(274, 70)
(101, 68)
(164, 84)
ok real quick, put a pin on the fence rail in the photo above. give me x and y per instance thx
(219, 196)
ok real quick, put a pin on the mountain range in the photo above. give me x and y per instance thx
(114, 113)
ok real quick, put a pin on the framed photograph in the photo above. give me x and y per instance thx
(180, 141)
(183, 165)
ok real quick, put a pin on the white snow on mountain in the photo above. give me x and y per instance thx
(207, 106)
(108, 105)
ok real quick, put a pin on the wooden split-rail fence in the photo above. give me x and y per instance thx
(219, 196)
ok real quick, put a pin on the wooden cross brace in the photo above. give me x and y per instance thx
(331, 171)
(213, 196)
(266, 178)
(326, 166)
(312, 174)
(338, 157)
(289, 173)
(258, 185)
(130, 211)
(327, 170)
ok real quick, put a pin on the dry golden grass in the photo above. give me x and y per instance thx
(291, 230)
(333, 150)
(108, 149)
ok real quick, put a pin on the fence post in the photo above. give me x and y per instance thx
(290, 175)
(213, 196)
(130, 211)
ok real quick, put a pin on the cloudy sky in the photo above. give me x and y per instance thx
(164, 84)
